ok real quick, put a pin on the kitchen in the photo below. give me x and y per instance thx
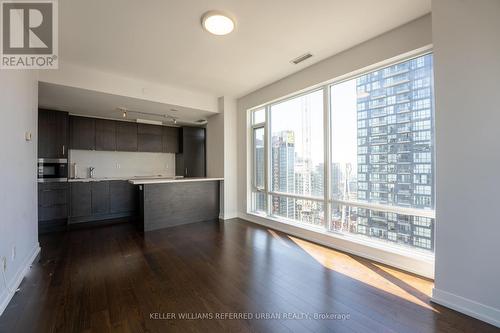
(127, 166)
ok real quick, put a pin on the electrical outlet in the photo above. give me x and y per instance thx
(118, 166)
(14, 253)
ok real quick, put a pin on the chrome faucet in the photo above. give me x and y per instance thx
(92, 172)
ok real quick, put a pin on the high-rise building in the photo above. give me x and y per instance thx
(318, 181)
(260, 199)
(395, 151)
(283, 173)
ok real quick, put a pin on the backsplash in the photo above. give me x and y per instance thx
(121, 164)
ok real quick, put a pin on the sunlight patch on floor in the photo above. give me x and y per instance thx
(409, 287)
(277, 237)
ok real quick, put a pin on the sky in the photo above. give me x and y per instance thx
(344, 123)
(287, 115)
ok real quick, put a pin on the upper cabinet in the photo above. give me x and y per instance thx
(170, 140)
(105, 134)
(149, 138)
(126, 136)
(82, 131)
(52, 134)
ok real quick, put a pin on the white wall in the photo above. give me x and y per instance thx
(215, 143)
(222, 154)
(89, 78)
(122, 164)
(466, 37)
(231, 173)
(18, 197)
(407, 38)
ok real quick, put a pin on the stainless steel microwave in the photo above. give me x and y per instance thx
(52, 170)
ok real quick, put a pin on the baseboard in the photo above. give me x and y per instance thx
(6, 296)
(228, 216)
(469, 307)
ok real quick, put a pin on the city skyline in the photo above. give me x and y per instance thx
(381, 152)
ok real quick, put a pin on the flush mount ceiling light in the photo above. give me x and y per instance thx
(217, 23)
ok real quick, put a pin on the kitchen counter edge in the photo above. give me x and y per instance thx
(164, 181)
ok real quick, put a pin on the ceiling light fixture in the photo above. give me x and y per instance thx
(171, 118)
(124, 111)
(148, 121)
(217, 23)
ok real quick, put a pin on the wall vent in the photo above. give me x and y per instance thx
(303, 57)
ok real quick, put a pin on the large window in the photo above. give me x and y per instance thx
(297, 158)
(380, 182)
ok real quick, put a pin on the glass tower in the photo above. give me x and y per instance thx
(395, 151)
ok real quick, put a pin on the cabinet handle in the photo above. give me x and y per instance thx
(186, 173)
(64, 150)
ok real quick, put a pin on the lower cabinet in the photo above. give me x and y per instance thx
(52, 206)
(101, 200)
(81, 199)
(100, 197)
(123, 197)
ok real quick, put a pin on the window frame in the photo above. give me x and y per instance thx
(327, 199)
(253, 181)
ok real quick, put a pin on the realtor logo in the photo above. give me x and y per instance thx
(29, 35)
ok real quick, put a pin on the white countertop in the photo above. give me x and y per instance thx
(76, 180)
(140, 180)
(145, 181)
(101, 179)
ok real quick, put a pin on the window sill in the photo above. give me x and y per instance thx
(413, 260)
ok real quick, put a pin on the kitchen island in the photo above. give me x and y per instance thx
(168, 202)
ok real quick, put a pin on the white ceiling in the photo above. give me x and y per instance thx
(162, 40)
(98, 104)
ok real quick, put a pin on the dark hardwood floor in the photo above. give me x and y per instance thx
(116, 279)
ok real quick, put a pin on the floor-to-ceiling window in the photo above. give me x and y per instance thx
(379, 185)
(297, 164)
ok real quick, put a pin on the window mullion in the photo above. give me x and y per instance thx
(267, 159)
(327, 157)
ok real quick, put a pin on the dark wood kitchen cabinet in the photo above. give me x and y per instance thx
(110, 135)
(149, 138)
(126, 136)
(123, 197)
(102, 200)
(82, 130)
(52, 206)
(81, 199)
(100, 197)
(170, 139)
(105, 134)
(190, 162)
(52, 134)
